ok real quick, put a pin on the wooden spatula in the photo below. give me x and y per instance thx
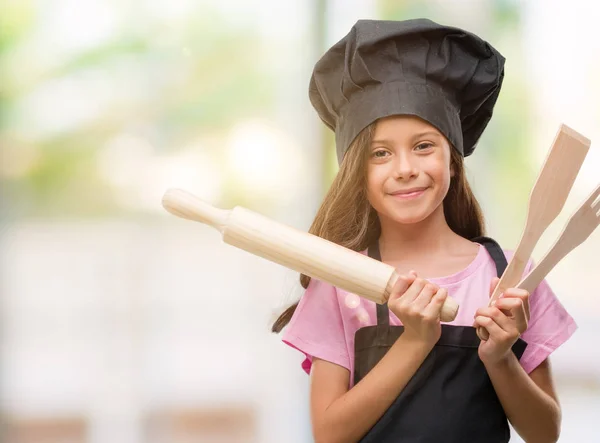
(547, 199)
(578, 228)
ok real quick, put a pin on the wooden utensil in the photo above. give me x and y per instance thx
(578, 228)
(547, 199)
(303, 252)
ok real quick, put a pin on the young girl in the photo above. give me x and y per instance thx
(408, 101)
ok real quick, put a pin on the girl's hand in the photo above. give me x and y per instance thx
(505, 321)
(417, 303)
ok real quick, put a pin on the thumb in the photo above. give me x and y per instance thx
(400, 286)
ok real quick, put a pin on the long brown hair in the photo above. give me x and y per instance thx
(347, 218)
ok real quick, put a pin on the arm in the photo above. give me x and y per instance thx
(342, 415)
(529, 401)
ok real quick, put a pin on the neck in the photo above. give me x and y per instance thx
(430, 236)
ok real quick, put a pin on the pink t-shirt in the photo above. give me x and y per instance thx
(327, 318)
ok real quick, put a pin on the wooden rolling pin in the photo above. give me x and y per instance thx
(301, 251)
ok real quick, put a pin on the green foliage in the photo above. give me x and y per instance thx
(16, 20)
(195, 79)
(403, 10)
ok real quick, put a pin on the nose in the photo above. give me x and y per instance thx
(406, 166)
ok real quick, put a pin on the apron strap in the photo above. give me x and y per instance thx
(495, 251)
(383, 313)
(492, 247)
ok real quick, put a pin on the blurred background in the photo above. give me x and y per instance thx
(121, 323)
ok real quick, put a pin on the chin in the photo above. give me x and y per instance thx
(409, 220)
(409, 216)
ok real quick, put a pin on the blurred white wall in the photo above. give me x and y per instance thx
(118, 319)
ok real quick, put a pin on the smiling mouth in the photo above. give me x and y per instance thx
(409, 193)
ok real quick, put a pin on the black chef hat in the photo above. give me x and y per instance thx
(444, 75)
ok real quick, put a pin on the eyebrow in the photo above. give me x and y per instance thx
(414, 137)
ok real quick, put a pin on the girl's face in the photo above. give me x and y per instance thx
(408, 169)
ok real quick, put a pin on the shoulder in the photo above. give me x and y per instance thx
(325, 301)
(318, 310)
(317, 296)
(317, 327)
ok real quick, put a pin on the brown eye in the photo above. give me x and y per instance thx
(423, 146)
(379, 153)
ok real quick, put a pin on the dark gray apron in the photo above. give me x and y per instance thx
(450, 398)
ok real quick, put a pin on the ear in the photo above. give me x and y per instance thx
(452, 171)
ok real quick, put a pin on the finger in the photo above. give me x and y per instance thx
(515, 307)
(521, 294)
(402, 283)
(506, 323)
(494, 330)
(434, 308)
(414, 290)
(507, 307)
(425, 296)
(515, 293)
